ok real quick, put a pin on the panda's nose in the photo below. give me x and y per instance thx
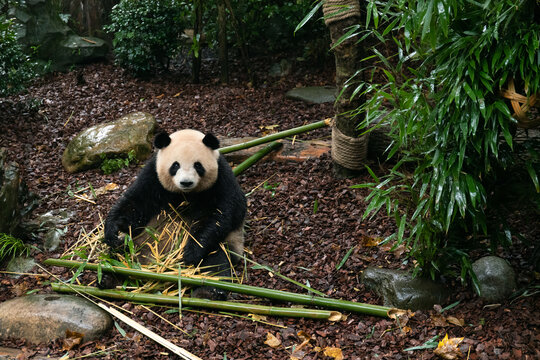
(186, 184)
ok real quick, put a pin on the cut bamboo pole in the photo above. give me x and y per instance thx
(276, 136)
(200, 303)
(240, 168)
(342, 305)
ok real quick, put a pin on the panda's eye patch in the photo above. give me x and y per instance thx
(199, 168)
(174, 168)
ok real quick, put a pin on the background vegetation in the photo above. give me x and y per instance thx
(16, 68)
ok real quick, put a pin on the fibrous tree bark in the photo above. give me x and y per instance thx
(348, 149)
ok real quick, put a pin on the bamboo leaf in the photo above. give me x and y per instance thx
(308, 16)
(533, 175)
(342, 262)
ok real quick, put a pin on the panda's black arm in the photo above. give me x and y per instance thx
(227, 215)
(143, 200)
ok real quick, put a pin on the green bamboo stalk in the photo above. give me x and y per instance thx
(342, 305)
(240, 168)
(200, 303)
(276, 136)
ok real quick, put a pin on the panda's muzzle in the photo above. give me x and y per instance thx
(186, 184)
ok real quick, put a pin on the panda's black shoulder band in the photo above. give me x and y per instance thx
(162, 140)
(211, 141)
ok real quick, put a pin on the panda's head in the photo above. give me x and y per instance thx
(187, 160)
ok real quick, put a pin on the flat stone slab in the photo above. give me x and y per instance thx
(295, 152)
(44, 318)
(313, 94)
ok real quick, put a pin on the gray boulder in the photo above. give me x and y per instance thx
(41, 30)
(131, 132)
(313, 94)
(44, 318)
(399, 289)
(20, 265)
(496, 279)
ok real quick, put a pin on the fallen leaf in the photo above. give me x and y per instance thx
(455, 321)
(257, 317)
(272, 341)
(333, 352)
(401, 316)
(439, 320)
(369, 241)
(72, 340)
(106, 188)
(449, 348)
(304, 335)
(406, 329)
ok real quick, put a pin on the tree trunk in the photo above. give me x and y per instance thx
(222, 40)
(347, 57)
(89, 16)
(197, 28)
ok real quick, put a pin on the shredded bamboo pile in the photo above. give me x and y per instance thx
(159, 248)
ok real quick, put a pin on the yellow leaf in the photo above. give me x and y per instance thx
(272, 341)
(449, 348)
(333, 352)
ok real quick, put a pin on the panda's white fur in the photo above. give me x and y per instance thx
(187, 148)
(186, 168)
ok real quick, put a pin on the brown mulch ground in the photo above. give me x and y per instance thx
(283, 230)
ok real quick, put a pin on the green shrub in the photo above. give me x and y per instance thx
(16, 68)
(11, 246)
(108, 166)
(146, 33)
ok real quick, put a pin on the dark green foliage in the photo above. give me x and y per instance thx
(449, 121)
(268, 26)
(147, 33)
(11, 246)
(16, 68)
(108, 166)
(452, 129)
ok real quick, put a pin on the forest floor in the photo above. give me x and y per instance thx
(302, 223)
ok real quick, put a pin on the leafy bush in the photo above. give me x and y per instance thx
(16, 68)
(146, 33)
(441, 93)
(108, 166)
(269, 26)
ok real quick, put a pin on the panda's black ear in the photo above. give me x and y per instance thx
(211, 141)
(162, 140)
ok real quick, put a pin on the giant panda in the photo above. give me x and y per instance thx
(187, 167)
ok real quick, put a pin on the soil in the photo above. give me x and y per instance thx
(302, 223)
